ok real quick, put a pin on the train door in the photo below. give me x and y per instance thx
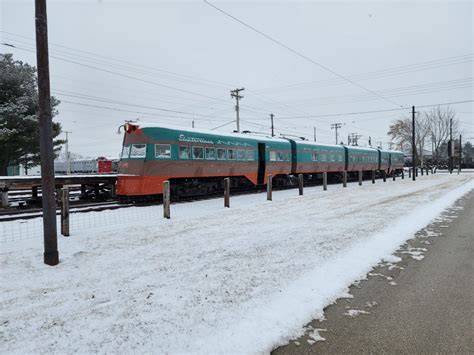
(261, 163)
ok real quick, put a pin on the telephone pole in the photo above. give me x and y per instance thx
(235, 94)
(460, 153)
(451, 146)
(51, 255)
(271, 118)
(68, 160)
(336, 126)
(315, 133)
(413, 145)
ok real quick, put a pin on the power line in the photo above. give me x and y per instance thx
(119, 74)
(380, 73)
(301, 55)
(373, 111)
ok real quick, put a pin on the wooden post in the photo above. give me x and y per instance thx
(344, 178)
(5, 202)
(416, 172)
(34, 192)
(427, 171)
(360, 177)
(325, 181)
(403, 173)
(394, 176)
(269, 187)
(373, 176)
(384, 175)
(300, 183)
(421, 171)
(409, 173)
(166, 200)
(65, 211)
(227, 192)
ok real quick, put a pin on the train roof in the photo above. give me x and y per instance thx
(248, 136)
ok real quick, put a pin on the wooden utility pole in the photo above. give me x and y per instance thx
(413, 144)
(51, 255)
(460, 153)
(451, 146)
(68, 160)
(314, 133)
(271, 118)
(336, 126)
(235, 94)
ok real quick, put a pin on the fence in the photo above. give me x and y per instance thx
(147, 215)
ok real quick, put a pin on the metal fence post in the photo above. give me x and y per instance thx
(227, 192)
(269, 187)
(360, 177)
(325, 181)
(300, 183)
(344, 178)
(373, 176)
(166, 200)
(65, 211)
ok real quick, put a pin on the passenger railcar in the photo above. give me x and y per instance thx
(151, 155)
(196, 161)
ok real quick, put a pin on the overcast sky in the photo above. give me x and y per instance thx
(113, 61)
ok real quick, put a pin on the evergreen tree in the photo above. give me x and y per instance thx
(19, 126)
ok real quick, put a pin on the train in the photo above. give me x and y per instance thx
(196, 161)
(100, 165)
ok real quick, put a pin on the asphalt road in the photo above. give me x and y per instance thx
(418, 306)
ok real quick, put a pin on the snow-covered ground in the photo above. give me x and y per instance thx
(211, 279)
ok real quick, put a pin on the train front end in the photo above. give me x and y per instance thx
(137, 175)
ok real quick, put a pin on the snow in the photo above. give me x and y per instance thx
(244, 279)
(355, 312)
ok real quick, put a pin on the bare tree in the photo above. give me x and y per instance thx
(401, 132)
(439, 121)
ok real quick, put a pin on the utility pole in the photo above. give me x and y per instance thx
(336, 126)
(460, 153)
(192, 123)
(314, 133)
(68, 160)
(370, 141)
(235, 94)
(451, 146)
(271, 118)
(413, 146)
(51, 255)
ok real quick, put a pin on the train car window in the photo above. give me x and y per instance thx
(138, 151)
(231, 154)
(184, 152)
(210, 153)
(314, 156)
(198, 153)
(273, 155)
(339, 158)
(221, 154)
(163, 151)
(125, 152)
(279, 156)
(240, 154)
(249, 155)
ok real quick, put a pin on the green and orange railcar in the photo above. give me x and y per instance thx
(197, 161)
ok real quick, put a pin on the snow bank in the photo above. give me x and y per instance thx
(244, 279)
